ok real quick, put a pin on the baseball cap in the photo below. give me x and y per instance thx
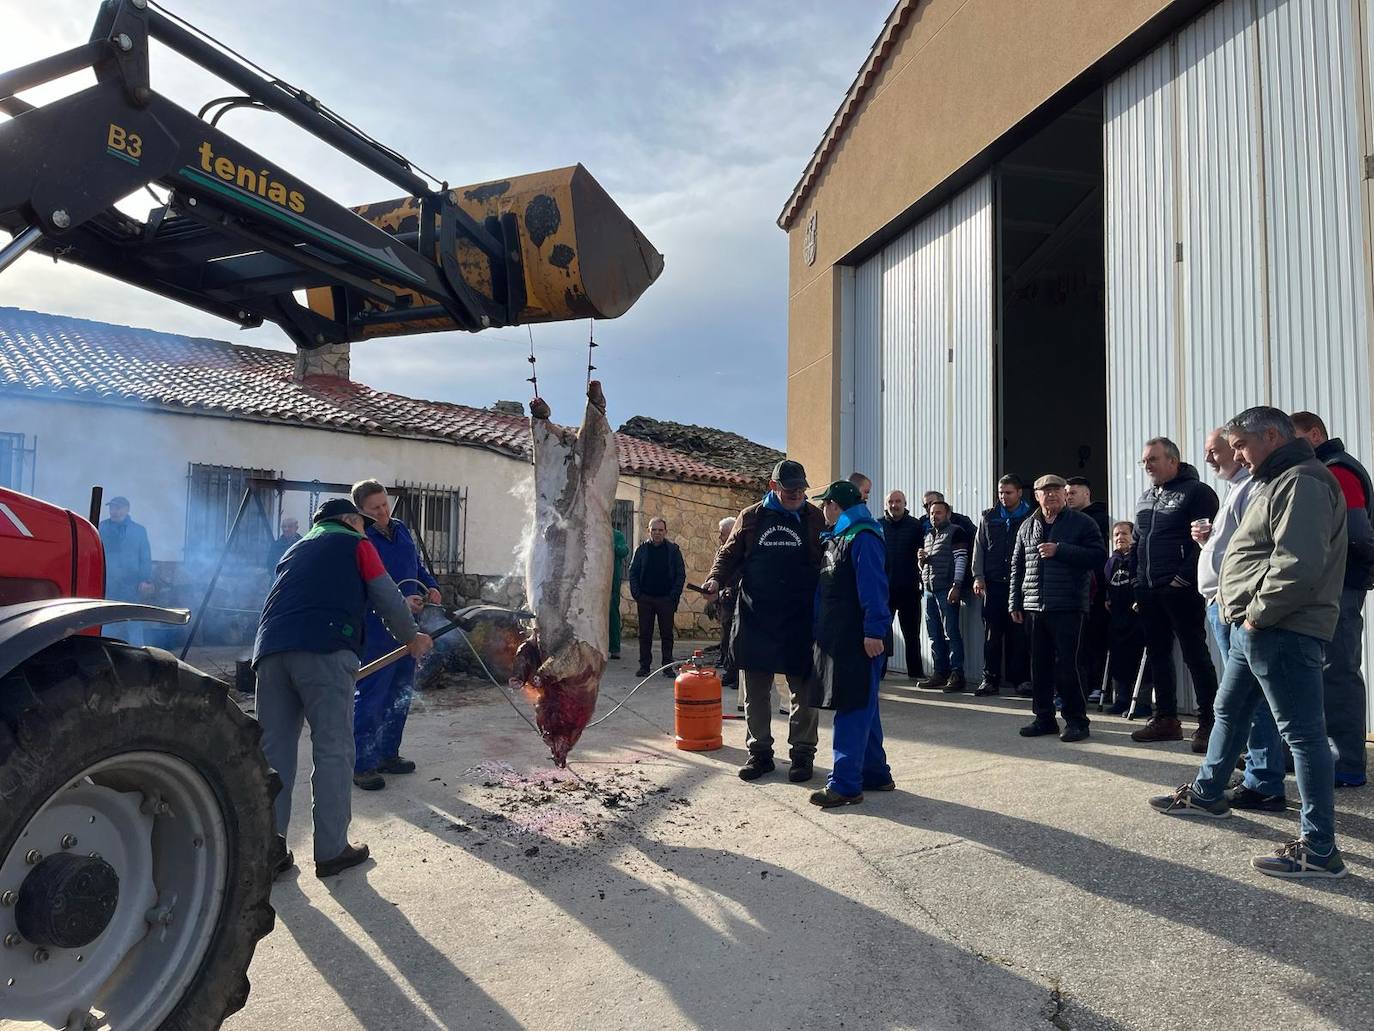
(118, 501)
(335, 508)
(1049, 480)
(843, 493)
(790, 475)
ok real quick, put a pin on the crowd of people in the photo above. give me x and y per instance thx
(1079, 610)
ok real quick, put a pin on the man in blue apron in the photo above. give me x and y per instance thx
(774, 551)
(382, 701)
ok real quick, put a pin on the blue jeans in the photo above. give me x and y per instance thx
(1264, 770)
(860, 761)
(946, 639)
(1283, 668)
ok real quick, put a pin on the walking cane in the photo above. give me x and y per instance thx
(1139, 682)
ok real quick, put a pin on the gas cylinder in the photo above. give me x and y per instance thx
(696, 706)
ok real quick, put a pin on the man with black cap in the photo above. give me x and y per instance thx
(774, 551)
(851, 620)
(308, 649)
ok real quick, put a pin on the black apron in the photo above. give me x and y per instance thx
(843, 671)
(777, 593)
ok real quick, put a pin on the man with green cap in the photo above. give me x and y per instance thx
(851, 624)
(622, 552)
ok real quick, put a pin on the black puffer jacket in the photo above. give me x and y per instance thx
(1163, 548)
(1059, 583)
(903, 538)
(993, 543)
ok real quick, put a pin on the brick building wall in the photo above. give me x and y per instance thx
(693, 512)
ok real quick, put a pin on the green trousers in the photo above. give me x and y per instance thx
(615, 616)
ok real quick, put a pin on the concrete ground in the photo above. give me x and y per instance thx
(1008, 883)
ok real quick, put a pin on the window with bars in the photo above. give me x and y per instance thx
(17, 461)
(213, 495)
(437, 517)
(623, 519)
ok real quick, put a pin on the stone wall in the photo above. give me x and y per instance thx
(693, 512)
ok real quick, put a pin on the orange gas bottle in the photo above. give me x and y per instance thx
(696, 706)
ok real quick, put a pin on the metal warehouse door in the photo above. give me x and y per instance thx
(1237, 231)
(934, 400)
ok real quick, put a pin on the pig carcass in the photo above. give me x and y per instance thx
(568, 574)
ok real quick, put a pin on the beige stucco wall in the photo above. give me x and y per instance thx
(961, 74)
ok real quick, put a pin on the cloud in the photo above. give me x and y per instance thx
(697, 118)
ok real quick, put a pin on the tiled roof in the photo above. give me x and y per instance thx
(873, 64)
(81, 360)
(715, 447)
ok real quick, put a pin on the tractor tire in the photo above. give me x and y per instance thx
(130, 752)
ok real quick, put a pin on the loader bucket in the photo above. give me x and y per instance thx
(580, 255)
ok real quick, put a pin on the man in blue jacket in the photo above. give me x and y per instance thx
(851, 621)
(382, 701)
(306, 655)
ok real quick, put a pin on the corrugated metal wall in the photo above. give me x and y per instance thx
(1225, 344)
(1142, 287)
(923, 314)
(868, 369)
(1240, 144)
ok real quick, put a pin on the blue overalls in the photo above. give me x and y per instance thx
(381, 702)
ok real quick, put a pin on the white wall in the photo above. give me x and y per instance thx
(145, 454)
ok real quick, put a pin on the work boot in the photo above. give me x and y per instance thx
(987, 687)
(396, 764)
(801, 770)
(756, 767)
(933, 682)
(369, 780)
(1160, 728)
(349, 857)
(829, 798)
(955, 684)
(1199, 739)
(1074, 730)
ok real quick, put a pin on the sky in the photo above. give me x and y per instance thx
(697, 117)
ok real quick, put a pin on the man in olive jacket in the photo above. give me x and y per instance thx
(1052, 562)
(774, 551)
(1280, 590)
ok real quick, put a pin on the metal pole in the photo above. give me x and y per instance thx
(210, 588)
(21, 243)
(54, 67)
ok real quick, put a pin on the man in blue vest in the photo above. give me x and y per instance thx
(382, 701)
(308, 649)
(852, 620)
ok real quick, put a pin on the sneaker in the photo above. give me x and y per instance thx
(369, 781)
(1025, 690)
(1160, 728)
(349, 857)
(1297, 860)
(933, 682)
(828, 798)
(642, 672)
(756, 767)
(1241, 797)
(1349, 780)
(1198, 742)
(396, 764)
(1074, 730)
(800, 772)
(1183, 802)
(955, 683)
(1039, 728)
(987, 687)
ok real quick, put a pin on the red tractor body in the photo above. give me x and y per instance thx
(47, 552)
